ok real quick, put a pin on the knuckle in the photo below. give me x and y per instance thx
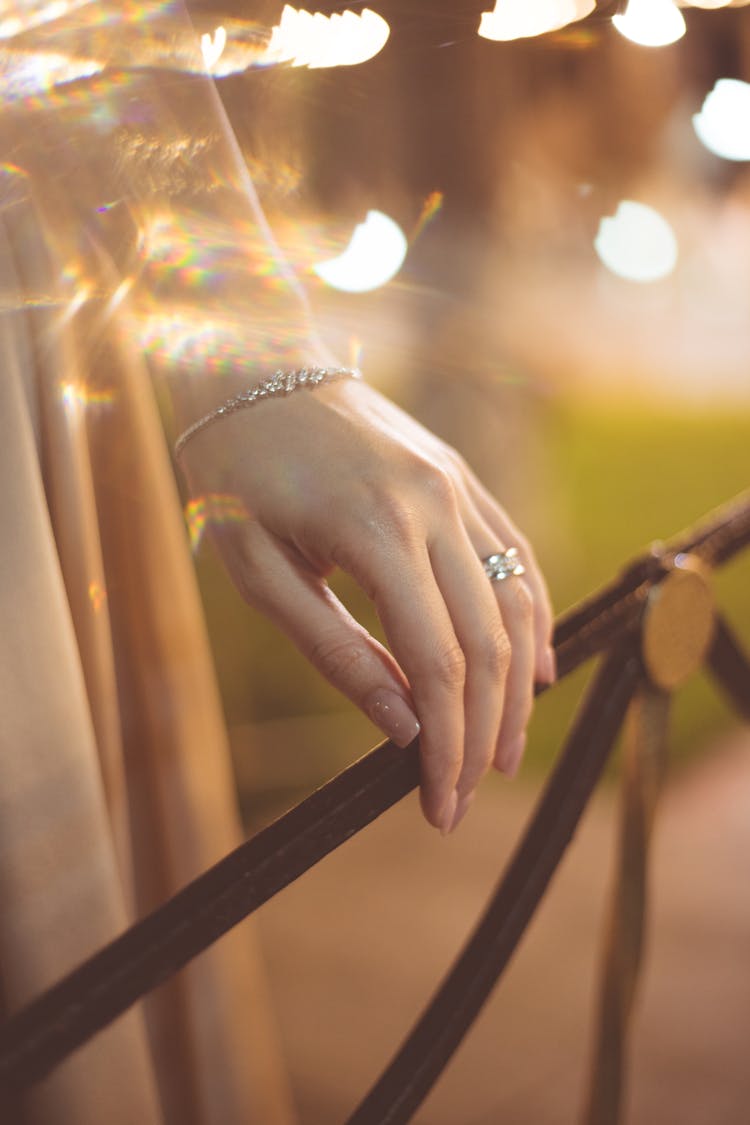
(383, 514)
(495, 652)
(525, 550)
(393, 519)
(523, 602)
(338, 659)
(456, 461)
(474, 771)
(245, 570)
(451, 460)
(435, 483)
(439, 761)
(448, 668)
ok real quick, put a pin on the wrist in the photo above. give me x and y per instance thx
(282, 382)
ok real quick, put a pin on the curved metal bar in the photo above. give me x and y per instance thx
(421, 1059)
(38, 1037)
(610, 612)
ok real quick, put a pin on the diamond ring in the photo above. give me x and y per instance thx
(504, 565)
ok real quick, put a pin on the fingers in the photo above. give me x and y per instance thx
(486, 644)
(422, 637)
(465, 650)
(507, 533)
(515, 609)
(272, 579)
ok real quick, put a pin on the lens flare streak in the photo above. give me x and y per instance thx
(76, 396)
(28, 14)
(216, 508)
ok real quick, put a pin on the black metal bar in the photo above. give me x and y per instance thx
(37, 1038)
(435, 1037)
(730, 667)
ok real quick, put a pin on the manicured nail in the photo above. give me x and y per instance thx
(549, 666)
(394, 716)
(508, 758)
(449, 814)
(463, 806)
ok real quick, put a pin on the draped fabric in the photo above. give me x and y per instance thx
(115, 783)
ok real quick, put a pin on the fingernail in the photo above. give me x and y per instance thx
(508, 758)
(395, 717)
(463, 806)
(549, 665)
(449, 814)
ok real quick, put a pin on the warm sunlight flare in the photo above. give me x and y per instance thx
(636, 243)
(519, 19)
(374, 255)
(651, 23)
(315, 40)
(212, 47)
(19, 17)
(723, 124)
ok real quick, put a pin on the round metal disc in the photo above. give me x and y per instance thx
(678, 624)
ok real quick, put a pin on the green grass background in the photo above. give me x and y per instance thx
(622, 476)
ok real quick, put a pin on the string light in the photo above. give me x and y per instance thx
(520, 19)
(314, 40)
(651, 23)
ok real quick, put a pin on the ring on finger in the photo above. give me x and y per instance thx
(504, 564)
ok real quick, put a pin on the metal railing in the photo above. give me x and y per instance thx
(651, 628)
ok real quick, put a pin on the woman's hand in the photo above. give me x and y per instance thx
(341, 477)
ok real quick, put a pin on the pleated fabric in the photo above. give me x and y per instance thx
(115, 780)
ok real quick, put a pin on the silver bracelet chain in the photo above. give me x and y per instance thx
(279, 384)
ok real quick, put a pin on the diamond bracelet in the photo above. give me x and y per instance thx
(279, 384)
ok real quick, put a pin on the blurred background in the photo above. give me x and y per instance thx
(540, 246)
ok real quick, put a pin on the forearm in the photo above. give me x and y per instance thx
(163, 236)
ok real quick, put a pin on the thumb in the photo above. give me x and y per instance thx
(274, 579)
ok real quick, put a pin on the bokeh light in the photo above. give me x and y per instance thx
(637, 243)
(519, 19)
(723, 124)
(97, 595)
(315, 40)
(374, 255)
(651, 23)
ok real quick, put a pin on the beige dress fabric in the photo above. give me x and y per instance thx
(115, 783)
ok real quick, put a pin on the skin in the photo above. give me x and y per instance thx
(341, 477)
